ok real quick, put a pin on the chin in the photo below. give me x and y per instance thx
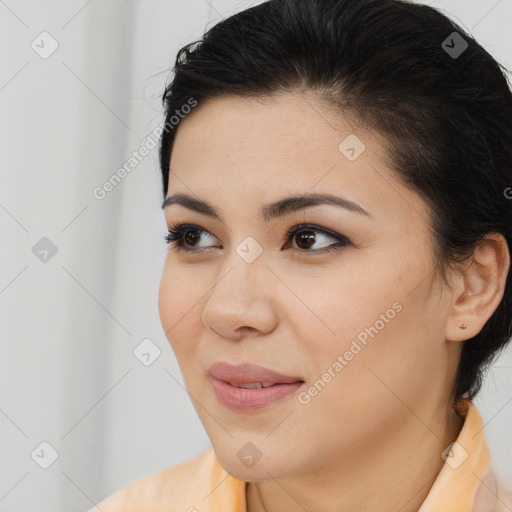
(252, 462)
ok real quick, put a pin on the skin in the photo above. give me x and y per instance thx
(383, 421)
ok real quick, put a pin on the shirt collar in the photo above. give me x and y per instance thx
(467, 460)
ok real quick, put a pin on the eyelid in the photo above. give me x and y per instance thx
(176, 231)
(317, 229)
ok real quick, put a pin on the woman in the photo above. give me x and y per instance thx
(336, 176)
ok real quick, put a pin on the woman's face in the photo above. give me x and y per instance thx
(361, 327)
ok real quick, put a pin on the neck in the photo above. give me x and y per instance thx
(399, 471)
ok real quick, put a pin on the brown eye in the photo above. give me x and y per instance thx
(306, 236)
(192, 236)
(305, 239)
(186, 237)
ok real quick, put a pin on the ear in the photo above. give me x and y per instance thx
(479, 288)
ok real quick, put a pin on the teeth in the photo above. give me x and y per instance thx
(253, 385)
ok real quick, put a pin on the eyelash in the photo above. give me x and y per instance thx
(177, 232)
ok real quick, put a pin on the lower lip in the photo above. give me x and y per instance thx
(242, 399)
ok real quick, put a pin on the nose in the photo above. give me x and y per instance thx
(241, 302)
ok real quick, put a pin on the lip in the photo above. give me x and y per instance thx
(225, 377)
(245, 373)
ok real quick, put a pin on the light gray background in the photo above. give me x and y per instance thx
(69, 326)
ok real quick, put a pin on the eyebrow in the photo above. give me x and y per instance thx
(270, 211)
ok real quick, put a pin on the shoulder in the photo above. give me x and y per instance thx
(182, 486)
(503, 497)
(492, 494)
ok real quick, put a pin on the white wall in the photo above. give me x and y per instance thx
(69, 326)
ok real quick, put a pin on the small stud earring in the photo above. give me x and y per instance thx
(462, 326)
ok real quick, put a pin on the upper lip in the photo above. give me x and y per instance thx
(246, 373)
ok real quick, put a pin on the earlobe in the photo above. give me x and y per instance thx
(481, 286)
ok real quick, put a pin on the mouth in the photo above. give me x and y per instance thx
(255, 385)
(247, 386)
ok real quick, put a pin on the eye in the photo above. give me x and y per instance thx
(304, 236)
(187, 233)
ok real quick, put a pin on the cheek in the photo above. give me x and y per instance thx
(356, 378)
(167, 302)
(378, 364)
(179, 307)
(361, 323)
(345, 306)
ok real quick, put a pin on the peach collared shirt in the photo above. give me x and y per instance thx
(466, 482)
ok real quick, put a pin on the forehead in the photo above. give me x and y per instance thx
(255, 150)
(290, 126)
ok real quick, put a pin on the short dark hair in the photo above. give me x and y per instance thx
(444, 111)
